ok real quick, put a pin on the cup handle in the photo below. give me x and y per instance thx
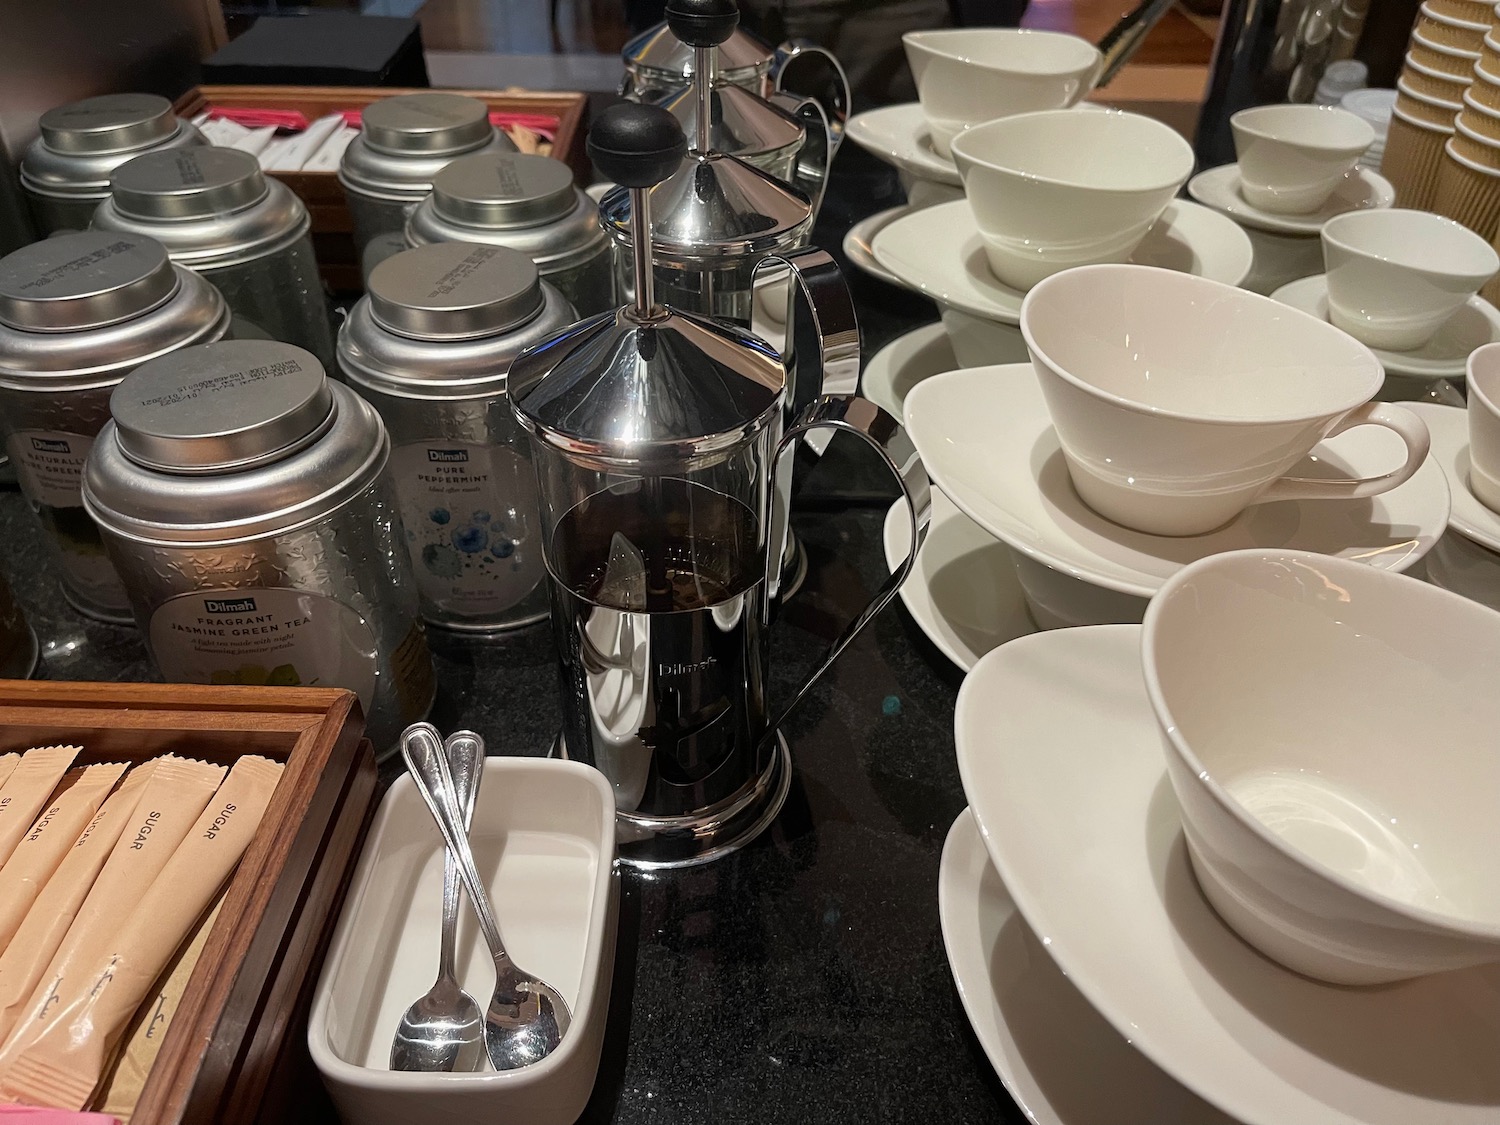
(1411, 429)
(886, 436)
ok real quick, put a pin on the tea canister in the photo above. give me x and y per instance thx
(244, 499)
(403, 143)
(78, 312)
(527, 203)
(430, 347)
(218, 215)
(65, 173)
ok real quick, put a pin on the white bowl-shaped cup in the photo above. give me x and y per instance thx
(1484, 425)
(969, 75)
(1329, 730)
(1293, 156)
(1179, 401)
(1396, 276)
(1054, 190)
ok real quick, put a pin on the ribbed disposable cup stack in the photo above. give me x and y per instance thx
(1468, 187)
(1446, 44)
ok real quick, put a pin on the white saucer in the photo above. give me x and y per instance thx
(963, 594)
(903, 363)
(1445, 356)
(857, 244)
(1062, 764)
(1219, 188)
(986, 438)
(1449, 428)
(899, 135)
(1061, 1060)
(939, 251)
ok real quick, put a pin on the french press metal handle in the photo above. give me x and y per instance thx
(861, 417)
(794, 71)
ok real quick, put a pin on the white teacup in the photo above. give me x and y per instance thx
(1060, 189)
(1484, 425)
(1180, 401)
(1329, 732)
(1396, 276)
(969, 75)
(1293, 156)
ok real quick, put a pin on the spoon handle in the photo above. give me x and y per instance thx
(428, 765)
(465, 753)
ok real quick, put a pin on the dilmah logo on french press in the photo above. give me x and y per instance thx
(448, 455)
(46, 445)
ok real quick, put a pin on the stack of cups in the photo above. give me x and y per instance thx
(1445, 45)
(1468, 187)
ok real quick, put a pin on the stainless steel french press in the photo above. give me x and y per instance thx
(660, 439)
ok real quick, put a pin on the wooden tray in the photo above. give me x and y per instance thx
(238, 1043)
(321, 191)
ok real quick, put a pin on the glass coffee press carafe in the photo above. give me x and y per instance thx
(658, 437)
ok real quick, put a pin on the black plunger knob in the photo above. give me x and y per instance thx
(703, 23)
(638, 146)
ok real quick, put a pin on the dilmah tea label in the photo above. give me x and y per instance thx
(472, 524)
(286, 638)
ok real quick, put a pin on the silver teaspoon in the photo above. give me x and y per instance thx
(526, 1017)
(443, 1031)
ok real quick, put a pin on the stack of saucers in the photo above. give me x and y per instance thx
(1445, 46)
(1298, 167)
(1144, 436)
(964, 77)
(1045, 192)
(1205, 877)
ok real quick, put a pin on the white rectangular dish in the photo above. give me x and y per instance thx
(544, 839)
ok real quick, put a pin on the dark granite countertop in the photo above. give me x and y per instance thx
(803, 978)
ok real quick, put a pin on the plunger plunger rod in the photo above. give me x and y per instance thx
(638, 146)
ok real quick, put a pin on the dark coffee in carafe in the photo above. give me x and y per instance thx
(659, 607)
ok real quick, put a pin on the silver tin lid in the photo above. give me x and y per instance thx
(194, 183)
(714, 210)
(405, 141)
(504, 189)
(208, 206)
(439, 124)
(222, 407)
(80, 310)
(80, 281)
(743, 125)
(570, 238)
(658, 53)
(110, 123)
(445, 321)
(81, 144)
(454, 291)
(655, 396)
(230, 441)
